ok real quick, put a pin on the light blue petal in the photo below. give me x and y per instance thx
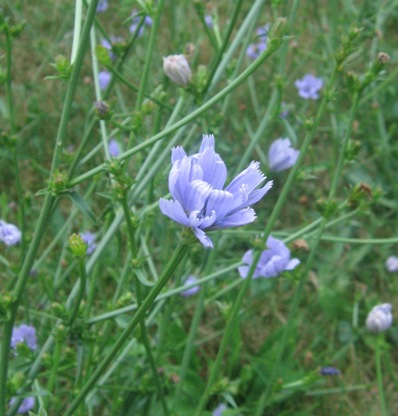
(196, 195)
(219, 201)
(250, 177)
(242, 217)
(177, 154)
(197, 220)
(173, 210)
(292, 264)
(207, 142)
(214, 169)
(203, 238)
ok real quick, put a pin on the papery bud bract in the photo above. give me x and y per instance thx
(176, 67)
(379, 318)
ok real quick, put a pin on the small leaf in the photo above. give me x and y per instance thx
(81, 204)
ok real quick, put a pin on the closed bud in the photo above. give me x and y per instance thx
(102, 110)
(176, 67)
(77, 245)
(379, 318)
(278, 29)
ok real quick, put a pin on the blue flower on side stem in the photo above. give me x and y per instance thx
(25, 406)
(89, 238)
(281, 155)
(24, 334)
(104, 77)
(199, 201)
(274, 260)
(114, 148)
(190, 280)
(10, 234)
(309, 86)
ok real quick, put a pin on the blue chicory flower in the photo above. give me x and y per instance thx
(209, 21)
(255, 49)
(281, 155)
(199, 200)
(104, 77)
(329, 371)
(274, 260)
(102, 6)
(25, 406)
(135, 22)
(219, 410)
(89, 238)
(309, 86)
(192, 290)
(114, 148)
(24, 334)
(392, 264)
(10, 234)
(379, 319)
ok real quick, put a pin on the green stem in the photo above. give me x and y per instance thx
(298, 292)
(149, 55)
(80, 293)
(45, 213)
(274, 215)
(379, 347)
(178, 255)
(137, 283)
(8, 85)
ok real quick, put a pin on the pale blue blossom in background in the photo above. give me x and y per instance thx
(9, 234)
(102, 6)
(199, 201)
(24, 334)
(392, 264)
(25, 406)
(89, 239)
(104, 78)
(219, 410)
(309, 86)
(114, 148)
(329, 371)
(136, 21)
(379, 318)
(274, 260)
(209, 21)
(193, 290)
(255, 49)
(282, 155)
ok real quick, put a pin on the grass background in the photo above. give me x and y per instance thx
(347, 277)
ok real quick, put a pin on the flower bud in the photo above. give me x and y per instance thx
(379, 318)
(77, 245)
(176, 67)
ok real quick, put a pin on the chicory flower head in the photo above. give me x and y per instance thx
(219, 410)
(89, 238)
(379, 318)
(9, 234)
(190, 280)
(309, 86)
(392, 264)
(114, 148)
(24, 334)
(136, 21)
(25, 406)
(255, 49)
(104, 77)
(102, 6)
(273, 261)
(281, 155)
(199, 201)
